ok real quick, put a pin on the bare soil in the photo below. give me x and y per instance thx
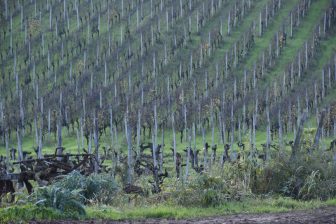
(321, 215)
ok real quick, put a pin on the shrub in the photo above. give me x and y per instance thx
(96, 188)
(60, 199)
(205, 189)
(308, 176)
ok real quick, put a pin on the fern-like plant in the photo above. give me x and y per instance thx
(100, 188)
(61, 199)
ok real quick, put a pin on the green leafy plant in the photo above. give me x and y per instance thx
(309, 176)
(96, 188)
(207, 189)
(309, 188)
(65, 200)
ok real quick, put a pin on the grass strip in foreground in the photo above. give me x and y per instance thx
(19, 213)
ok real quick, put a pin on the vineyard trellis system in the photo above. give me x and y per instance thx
(139, 69)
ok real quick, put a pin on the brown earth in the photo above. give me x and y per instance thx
(321, 215)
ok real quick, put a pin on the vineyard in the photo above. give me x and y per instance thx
(182, 102)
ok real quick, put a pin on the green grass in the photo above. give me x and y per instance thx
(309, 78)
(251, 206)
(306, 28)
(246, 207)
(24, 213)
(262, 42)
(300, 35)
(70, 142)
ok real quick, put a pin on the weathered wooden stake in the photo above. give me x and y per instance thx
(129, 150)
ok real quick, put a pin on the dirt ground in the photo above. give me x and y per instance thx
(322, 215)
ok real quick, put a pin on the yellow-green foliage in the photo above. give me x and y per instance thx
(16, 214)
(25, 213)
(309, 176)
(208, 189)
(34, 27)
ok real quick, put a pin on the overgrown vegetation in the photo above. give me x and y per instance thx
(174, 108)
(21, 213)
(61, 199)
(231, 189)
(309, 176)
(96, 188)
(266, 205)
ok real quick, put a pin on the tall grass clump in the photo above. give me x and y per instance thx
(310, 175)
